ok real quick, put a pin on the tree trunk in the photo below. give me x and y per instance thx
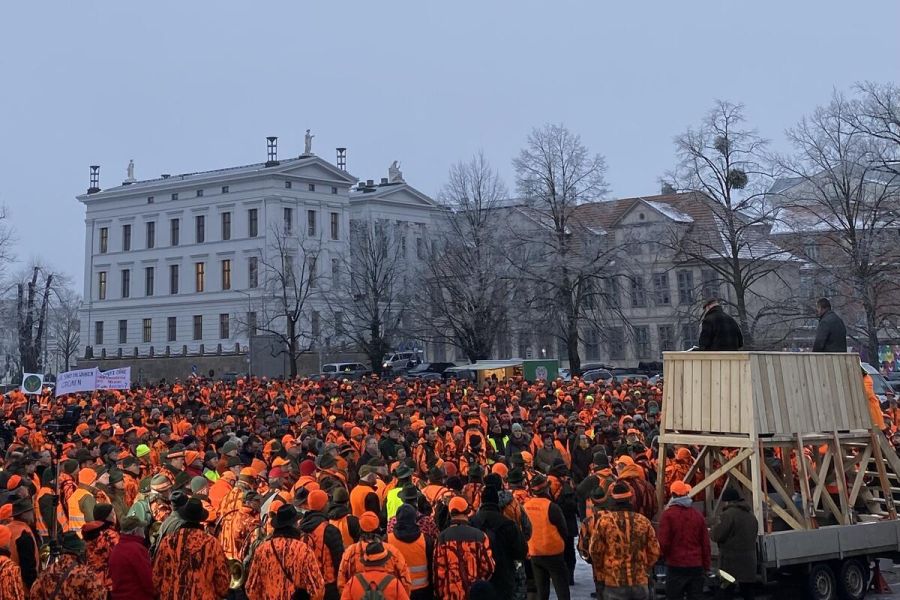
(871, 335)
(292, 347)
(572, 345)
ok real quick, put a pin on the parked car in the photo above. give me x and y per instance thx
(596, 375)
(620, 377)
(431, 371)
(895, 385)
(400, 360)
(349, 370)
(893, 376)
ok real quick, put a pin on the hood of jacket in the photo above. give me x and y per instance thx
(338, 511)
(311, 520)
(406, 526)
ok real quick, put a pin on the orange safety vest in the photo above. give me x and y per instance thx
(18, 529)
(358, 498)
(343, 525)
(61, 521)
(434, 492)
(545, 539)
(416, 559)
(76, 517)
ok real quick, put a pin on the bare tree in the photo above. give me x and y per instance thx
(6, 240)
(370, 315)
(466, 273)
(289, 280)
(561, 259)
(843, 207)
(876, 112)
(66, 327)
(722, 163)
(32, 303)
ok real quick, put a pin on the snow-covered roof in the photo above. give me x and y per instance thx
(670, 212)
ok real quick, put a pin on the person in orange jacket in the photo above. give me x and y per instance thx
(11, 585)
(375, 576)
(352, 561)
(462, 555)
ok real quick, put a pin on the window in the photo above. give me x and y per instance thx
(173, 279)
(251, 324)
(226, 225)
(150, 199)
(315, 325)
(146, 330)
(253, 222)
(661, 294)
(592, 344)
(335, 272)
(174, 231)
(288, 219)
(710, 283)
(200, 226)
(685, 287)
(226, 274)
(288, 185)
(126, 283)
(101, 285)
(199, 276)
(225, 189)
(149, 275)
(689, 335)
(642, 347)
(334, 189)
(126, 238)
(312, 187)
(403, 245)
(616, 343)
(171, 328)
(311, 223)
(123, 331)
(198, 327)
(312, 271)
(252, 272)
(335, 225)
(638, 295)
(666, 337)
(98, 332)
(224, 332)
(199, 193)
(420, 248)
(175, 196)
(338, 323)
(104, 239)
(151, 234)
(612, 292)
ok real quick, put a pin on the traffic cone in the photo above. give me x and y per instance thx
(879, 585)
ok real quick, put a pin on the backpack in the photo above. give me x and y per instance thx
(372, 592)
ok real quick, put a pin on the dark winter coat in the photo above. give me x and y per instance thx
(507, 545)
(831, 334)
(129, 569)
(736, 535)
(581, 462)
(720, 332)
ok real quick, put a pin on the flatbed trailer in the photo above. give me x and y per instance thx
(837, 492)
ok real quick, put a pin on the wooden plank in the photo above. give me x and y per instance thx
(675, 421)
(745, 415)
(814, 382)
(820, 480)
(705, 394)
(704, 454)
(697, 396)
(845, 415)
(747, 408)
(785, 494)
(804, 484)
(841, 479)
(661, 481)
(711, 478)
(759, 384)
(788, 383)
(724, 399)
(687, 439)
(807, 394)
(668, 393)
(777, 394)
(863, 461)
(837, 389)
(687, 397)
(882, 473)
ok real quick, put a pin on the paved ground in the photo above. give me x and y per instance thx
(584, 584)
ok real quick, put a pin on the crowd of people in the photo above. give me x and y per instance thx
(335, 489)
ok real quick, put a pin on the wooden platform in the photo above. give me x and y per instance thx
(791, 431)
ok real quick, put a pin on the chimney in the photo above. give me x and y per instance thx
(342, 159)
(370, 183)
(272, 151)
(384, 181)
(95, 180)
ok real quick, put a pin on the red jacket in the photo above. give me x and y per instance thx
(683, 538)
(129, 569)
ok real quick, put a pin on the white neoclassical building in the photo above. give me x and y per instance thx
(174, 265)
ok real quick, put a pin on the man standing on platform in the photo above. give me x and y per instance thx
(718, 331)
(831, 333)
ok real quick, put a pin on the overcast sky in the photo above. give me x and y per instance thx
(191, 85)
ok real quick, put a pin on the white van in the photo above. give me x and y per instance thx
(400, 360)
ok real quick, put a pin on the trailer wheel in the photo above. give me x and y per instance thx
(820, 583)
(853, 580)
